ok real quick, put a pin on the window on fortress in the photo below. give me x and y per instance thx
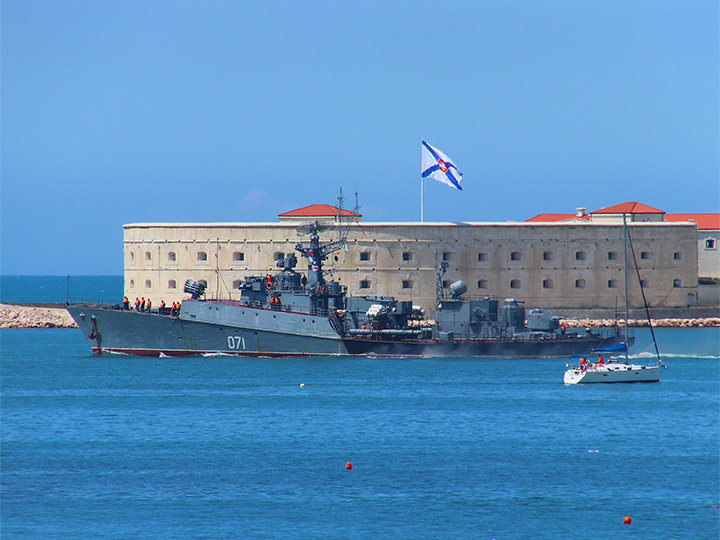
(201, 256)
(238, 256)
(132, 256)
(515, 256)
(645, 255)
(677, 283)
(172, 284)
(148, 284)
(482, 256)
(407, 256)
(645, 283)
(364, 256)
(482, 284)
(612, 284)
(446, 284)
(548, 284)
(364, 284)
(132, 283)
(447, 256)
(515, 284)
(580, 283)
(547, 256)
(148, 256)
(580, 256)
(407, 284)
(612, 256)
(203, 281)
(278, 256)
(172, 257)
(677, 256)
(710, 243)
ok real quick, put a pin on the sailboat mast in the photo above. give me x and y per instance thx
(625, 259)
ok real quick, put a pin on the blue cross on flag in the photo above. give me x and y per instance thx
(438, 166)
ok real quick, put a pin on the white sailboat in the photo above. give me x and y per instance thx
(612, 371)
(615, 370)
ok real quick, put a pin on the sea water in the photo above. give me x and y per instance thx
(59, 289)
(124, 447)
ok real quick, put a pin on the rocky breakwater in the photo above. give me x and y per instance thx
(643, 323)
(14, 316)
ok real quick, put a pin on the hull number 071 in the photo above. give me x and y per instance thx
(236, 342)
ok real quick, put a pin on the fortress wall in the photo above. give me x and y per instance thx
(551, 265)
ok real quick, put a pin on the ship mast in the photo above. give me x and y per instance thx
(316, 252)
(626, 284)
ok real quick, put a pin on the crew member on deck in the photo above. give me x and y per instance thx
(600, 361)
(582, 363)
(126, 302)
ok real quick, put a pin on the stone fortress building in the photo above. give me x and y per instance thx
(550, 261)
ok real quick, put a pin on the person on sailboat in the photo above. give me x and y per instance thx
(582, 363)
(600, 361)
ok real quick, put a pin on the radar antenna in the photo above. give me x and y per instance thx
(315, 252)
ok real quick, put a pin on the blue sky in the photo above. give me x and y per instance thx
(119, 112)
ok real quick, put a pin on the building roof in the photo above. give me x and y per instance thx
(552, 218)
(705, 222)
(318, 210)
(633, 207)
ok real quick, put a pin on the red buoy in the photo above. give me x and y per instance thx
(627, 520)
(348, 466)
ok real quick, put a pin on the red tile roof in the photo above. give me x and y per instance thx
(315, 210)
(629, 208)
(553, 218)
(705, 222)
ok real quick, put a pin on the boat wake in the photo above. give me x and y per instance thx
(669, 355)
(116, 353)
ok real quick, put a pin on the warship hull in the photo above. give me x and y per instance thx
(149, 334)
(223, 327)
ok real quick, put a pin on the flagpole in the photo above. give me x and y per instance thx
(422, 197)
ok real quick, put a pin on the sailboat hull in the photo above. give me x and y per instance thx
(614, 373)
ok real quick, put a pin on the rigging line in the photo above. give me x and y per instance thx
(642, 291)
(218, 275)
(222, 280)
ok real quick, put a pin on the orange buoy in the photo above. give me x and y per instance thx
(627, 520)
(348, 466)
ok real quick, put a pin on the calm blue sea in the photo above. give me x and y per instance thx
(123, 447)
(54, 289)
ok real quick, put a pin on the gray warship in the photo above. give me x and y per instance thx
(285, 313)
